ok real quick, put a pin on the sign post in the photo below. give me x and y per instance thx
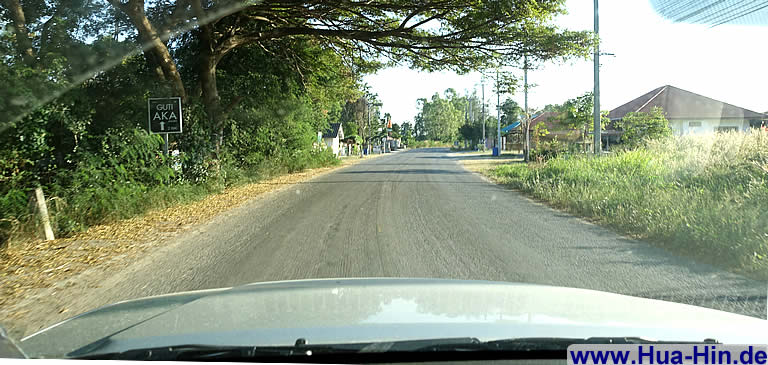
(164, 117)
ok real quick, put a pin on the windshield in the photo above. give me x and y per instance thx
(157, 147)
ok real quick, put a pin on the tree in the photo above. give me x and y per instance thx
(469, 35)
(406, 132)
(419, 126)
(74, 106)
(18, 19)
(639, 126)
(353, 116)
(441, 117)
(578, 114)
(471, 132)
(372, 106)
(557, 108)
(510, 112)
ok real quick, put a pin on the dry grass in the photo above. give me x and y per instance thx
(483, 162)
(700, 196)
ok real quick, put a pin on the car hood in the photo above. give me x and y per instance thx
(372, 310)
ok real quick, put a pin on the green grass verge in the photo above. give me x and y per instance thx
(704, 197)
(76, 207)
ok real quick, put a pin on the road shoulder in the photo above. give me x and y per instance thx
(44, 282)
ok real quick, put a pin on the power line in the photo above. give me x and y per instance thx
(712, 17)
(712, 12)
(697, 12)
(755, 9)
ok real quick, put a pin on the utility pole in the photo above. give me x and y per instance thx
(596, 112)
(482, 86)
(471, 117)
(527, 126)
(498, 113)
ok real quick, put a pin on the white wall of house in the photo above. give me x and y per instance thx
(333, 144)
(705, 126)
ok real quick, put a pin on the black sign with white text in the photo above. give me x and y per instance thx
(164, 115)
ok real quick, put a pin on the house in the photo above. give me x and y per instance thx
(691, 113)
(333, 136)
(551, 122)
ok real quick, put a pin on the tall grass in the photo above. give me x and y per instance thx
(702, 196)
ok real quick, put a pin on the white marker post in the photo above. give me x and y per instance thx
(42, 208)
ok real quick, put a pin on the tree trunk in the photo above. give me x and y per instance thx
(23, 42)
(154, 48)
(208, 86)
(211, 98)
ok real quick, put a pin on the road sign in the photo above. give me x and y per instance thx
(164, 115)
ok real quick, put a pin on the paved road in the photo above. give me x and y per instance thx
(418, 213)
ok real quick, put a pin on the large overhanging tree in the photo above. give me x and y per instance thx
(462, 35)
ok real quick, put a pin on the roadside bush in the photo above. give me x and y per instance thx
(640, 127)
(546, 150)
(700, 196)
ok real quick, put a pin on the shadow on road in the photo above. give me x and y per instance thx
(479, 183)
(394, 181)
(474, 157)
(408, 171)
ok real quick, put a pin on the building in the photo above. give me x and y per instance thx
(551, 122)
(333, 136)
(691, 113)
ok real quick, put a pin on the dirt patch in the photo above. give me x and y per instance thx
(41, 281)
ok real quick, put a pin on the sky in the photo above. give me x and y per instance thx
(727, 63)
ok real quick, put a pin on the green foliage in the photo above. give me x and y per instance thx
(550, 108)
(510, 112)
(429, 35)
(576, 116)
(578, 112)
(76, 83)
(96, 163)
(547, 150)
(699, 196)
(353, 115)
(22, 88)
(471, 132)
(640, 127)
(442, 118)
(429, 143)
(406, 132)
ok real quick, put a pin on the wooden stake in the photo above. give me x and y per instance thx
(43, 209)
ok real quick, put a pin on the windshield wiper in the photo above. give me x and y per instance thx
(299, 352)
(432, 349)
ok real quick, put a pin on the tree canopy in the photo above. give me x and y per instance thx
(258, 79)
(638, 126)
